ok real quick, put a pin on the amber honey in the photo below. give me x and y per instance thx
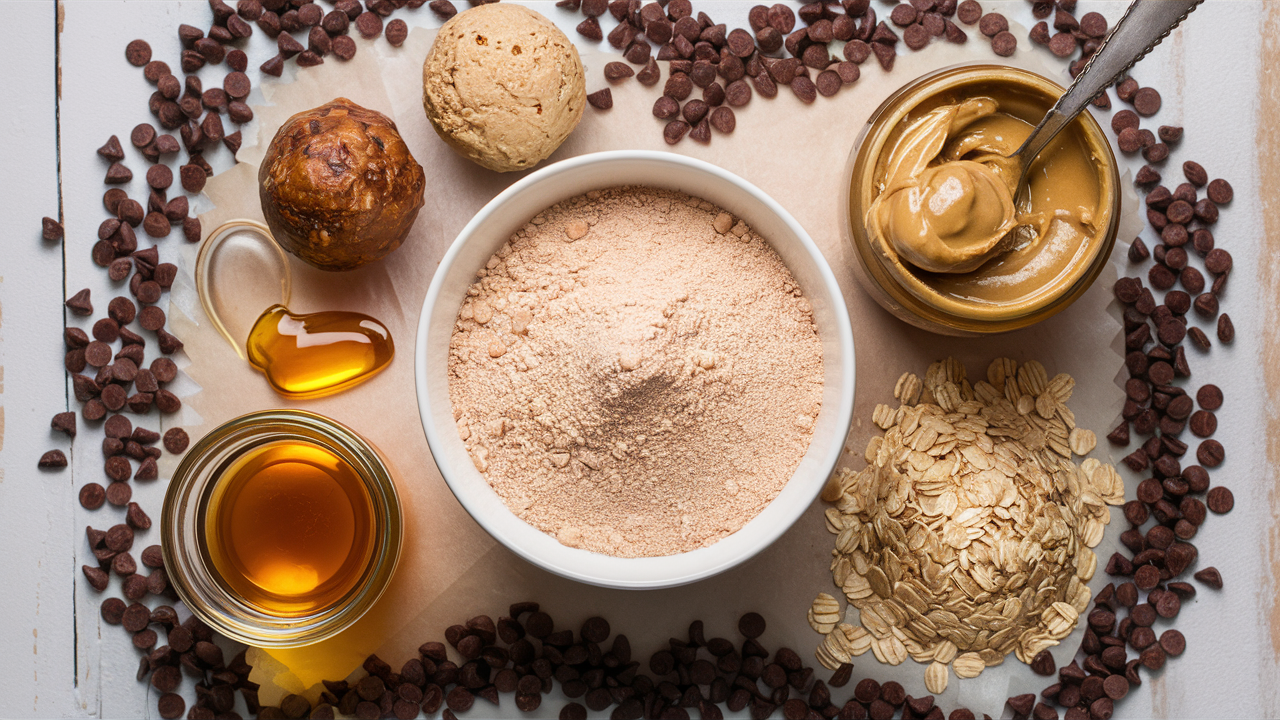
(290, 528)
(316, 354)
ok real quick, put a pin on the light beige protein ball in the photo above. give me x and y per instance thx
(503, 86)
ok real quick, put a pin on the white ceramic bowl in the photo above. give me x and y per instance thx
(494, 225)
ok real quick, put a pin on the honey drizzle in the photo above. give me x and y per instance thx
(318, 354)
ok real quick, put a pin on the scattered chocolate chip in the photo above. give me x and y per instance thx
(1226, 330)
(1004, 44)
(52, 459)
(618, 71)
(723, 120)
(992, 24)
(1146, 101)
(1219, 191)
(138, 53)
(1211, 454)
(171, 706)
(804, 89)
(80, 304)
(397, 31)
(601, 99)
(665, 108)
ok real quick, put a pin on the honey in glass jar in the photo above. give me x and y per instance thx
(290, 527)
(281, 528)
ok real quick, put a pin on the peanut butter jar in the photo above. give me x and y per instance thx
(993, 266)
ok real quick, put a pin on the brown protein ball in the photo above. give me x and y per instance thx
(339, 188)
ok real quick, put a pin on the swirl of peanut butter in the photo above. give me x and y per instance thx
(948, 202)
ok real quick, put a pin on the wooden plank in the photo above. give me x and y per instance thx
(37, 668)
(103, 95)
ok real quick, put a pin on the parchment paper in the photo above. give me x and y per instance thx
(451, 570)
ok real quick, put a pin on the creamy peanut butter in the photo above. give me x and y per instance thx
(940, 211)
(948, 216)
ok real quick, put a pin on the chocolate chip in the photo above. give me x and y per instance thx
(665, 108)
(1093, 24)
(1004, 44)
(1155, 153)
(148, 292)
(1210, 454)
(1179, 211)
(112, 610)
(1191, 279)
(52, 459)
(170, 88)
(674, 131)
(992, 24)
(138, 53)
(111, 151)
(1203, 423)
(155, 224)
(92, 496)
(701, 132)
(678, 86)
(804, 89)
(828, 82)
(164, 370)
(1129, 140)
(1226, 330)
(1195, 173)
(1206, 305)
(1146, 101)
(210, 128)
(1146, 175)
(1198, 338)
(751, 625)
(884, 52)
(1218, 261)
(968, 12)
(80, 304)
(237, 85)
(1210, 576)
(637, 52)
(344, 47)
(702, 74)
(617, 71)
(694, 111)
(192, 177)
(171, 706)
(136, 518)
(723, 120)
(713, 94)
(1220, 192)
(903, 15)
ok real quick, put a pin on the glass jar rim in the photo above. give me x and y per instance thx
(181, 528)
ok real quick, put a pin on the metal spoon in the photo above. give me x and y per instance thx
(1143, 26)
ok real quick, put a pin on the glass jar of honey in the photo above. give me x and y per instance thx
(1066, 214)
(281, 528)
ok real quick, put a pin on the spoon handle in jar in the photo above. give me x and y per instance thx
(1144, 25)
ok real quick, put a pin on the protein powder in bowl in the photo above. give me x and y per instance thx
(640, 385)
(635, 372)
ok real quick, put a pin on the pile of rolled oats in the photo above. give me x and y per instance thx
(967, 535)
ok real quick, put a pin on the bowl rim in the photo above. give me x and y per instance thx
(493, 525)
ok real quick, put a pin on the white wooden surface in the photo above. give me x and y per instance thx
(58, 659)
